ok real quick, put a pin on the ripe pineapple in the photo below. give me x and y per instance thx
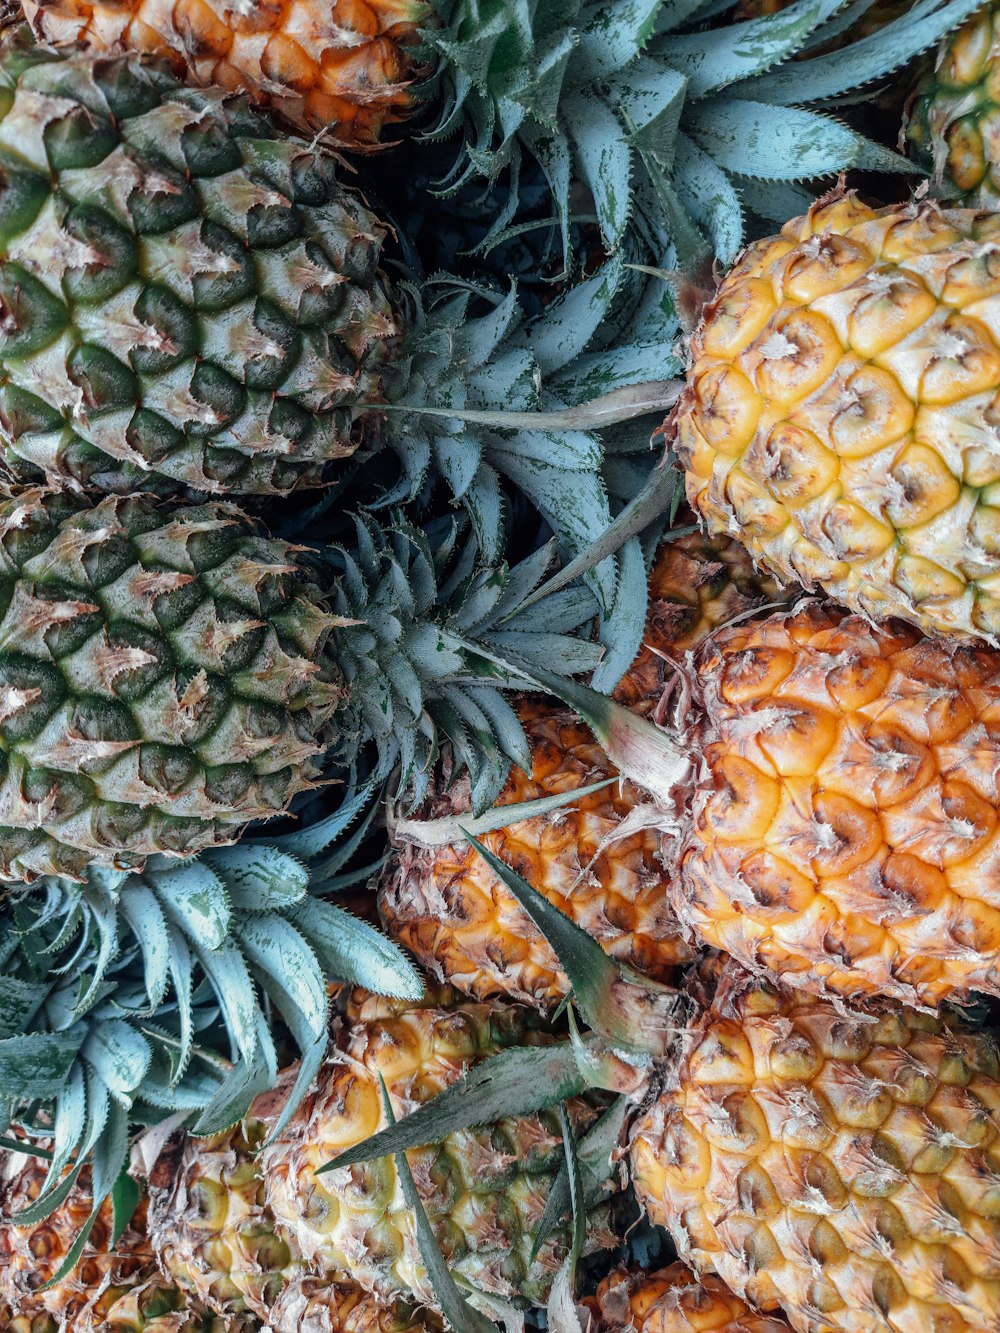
(345, 67)
(954, 124)
(484, 1190)
(330, 1307)
(440, 900)
(840, 418)
(840, 1164)
(697, 585)
(673, 1301)
(831, 803)
(111, 1290)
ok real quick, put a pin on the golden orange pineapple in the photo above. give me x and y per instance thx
(673, 1300)
(842, 1165)
(345, 65)
(841, 415)
(595, 859)
(697, 584)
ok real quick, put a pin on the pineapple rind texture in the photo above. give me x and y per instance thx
(841, 414)
(164, 680)
(484, 1190)
(444, 904)
(209, 1223)
(342, 69)
(115, 1289)
(189, 303)
(673, 1300)
(844, 829)
(955, 118)
(697, 585)
(844, 1165)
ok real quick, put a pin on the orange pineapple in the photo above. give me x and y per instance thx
(595, 859)
(673, 1300)
(347, 66)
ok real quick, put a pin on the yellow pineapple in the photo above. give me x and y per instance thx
(334, 1307)
(842, 412)
(842, 1165)
(673, 1301)
(954, 124)
(484, 1190)
(346, 66)
(595, 859)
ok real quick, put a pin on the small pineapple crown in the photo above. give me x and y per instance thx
(154, 999)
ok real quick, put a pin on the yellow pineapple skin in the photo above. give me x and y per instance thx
(342, 67)
(841, 414)
(209, 1223)
(484, 1190)
(954, 123)
(844, 826)
(843, 1165)
(697, 585)
(673, 1300)
(322, 1307)
(462, 923)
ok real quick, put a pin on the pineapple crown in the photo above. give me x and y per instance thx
(677, 123)
(149, 1000)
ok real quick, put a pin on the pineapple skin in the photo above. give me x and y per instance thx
(320, 1307)
(673, 1300)
(844, 1165)
(165, 680)
(843, 828)
(697, 584)
(344, 69)
(840, 415)
(460, 921)
(954, 124)
(191, 302)
(484, 1190)
(117, 1290)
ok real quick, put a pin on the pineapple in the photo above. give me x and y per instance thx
(954, 123)
(171, 673)
(830, 805)
(673, 1301)
(840, 418)
(346, 68)
(440, 900)
(697, 585)
(842, 1165)
(484, 1190)
(333, 1307)
(112, 1289)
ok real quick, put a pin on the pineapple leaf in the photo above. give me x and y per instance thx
(355, 951)
(254, 1073)
(622, 631)
(258, 877)
(308, 842)
(37, 1064)
(515, 1082)
(124, 1201)
(605, 159)
(119, 1055)
(595, 1161)
(611, 38)
(831, 75)
(288, 970)
(195, 897)
(709, 197)
(783, 144)
(148, 926)
(626, 1009)
(460, 1315)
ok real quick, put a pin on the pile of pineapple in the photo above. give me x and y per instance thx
(499, 666)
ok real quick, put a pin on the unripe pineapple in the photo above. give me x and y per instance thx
(840, 1164)
(484, 1190)
(595, 859)
(344, 68)
(841, 415)
(673, 1300)
(954, 124)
